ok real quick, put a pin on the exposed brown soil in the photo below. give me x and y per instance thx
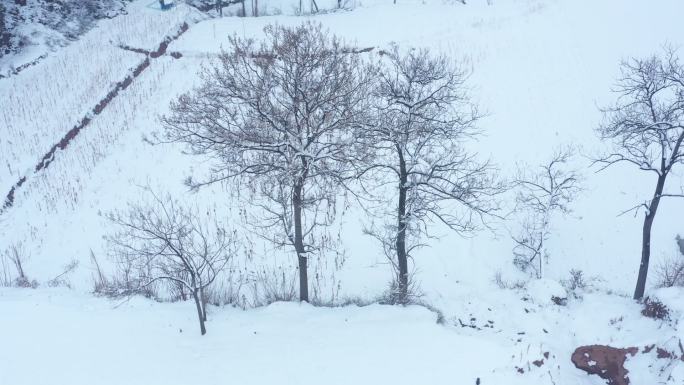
(10, 196)
(134, 49)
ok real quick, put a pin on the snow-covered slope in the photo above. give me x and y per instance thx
(540, 69)
(29, 30)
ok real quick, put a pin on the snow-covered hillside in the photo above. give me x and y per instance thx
(73, 147)
(30, 30)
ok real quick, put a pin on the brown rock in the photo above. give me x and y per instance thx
(605, 361)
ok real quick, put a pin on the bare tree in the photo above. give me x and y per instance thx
(550, 190)
(424, 115)
(165, 241)
(646, 128)
(280, 117)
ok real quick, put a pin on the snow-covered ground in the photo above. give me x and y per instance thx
(57, 336)
(540, 69)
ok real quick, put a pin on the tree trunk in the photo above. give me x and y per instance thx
(299, 243)
(646, 238)
(203, 298)
(402, 259)
(540, 255)
(198, 304)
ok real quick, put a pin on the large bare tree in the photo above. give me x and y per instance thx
(423, 116)
(646, 129)
(281, 117)
(165, 241)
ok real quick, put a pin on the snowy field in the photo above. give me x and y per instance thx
(80, 339)
(541, 69)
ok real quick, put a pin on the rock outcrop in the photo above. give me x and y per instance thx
(604, 361)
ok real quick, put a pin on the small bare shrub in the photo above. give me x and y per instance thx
(228, 291)
(5, 271)
(17, 256)
(575, 282)
(402, 293)
(275, 285)
(346, 301)
(501, 283)
(100, 280)
(653, 308)
(123, 282)
(63, 278)
(670, 272)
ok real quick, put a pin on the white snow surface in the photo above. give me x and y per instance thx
(79, 339)
(540, 69)
(543, 291)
